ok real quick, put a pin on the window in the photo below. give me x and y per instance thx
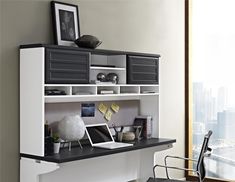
(212, 83)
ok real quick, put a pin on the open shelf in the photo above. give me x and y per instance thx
(84, 90)
(108, 64)
(129, 90)
(92, 92)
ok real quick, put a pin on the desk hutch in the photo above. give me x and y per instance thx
(73, 70)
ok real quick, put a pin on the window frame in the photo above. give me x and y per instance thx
(188, 94)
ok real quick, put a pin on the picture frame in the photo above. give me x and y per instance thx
(87, 110)
(65, 18)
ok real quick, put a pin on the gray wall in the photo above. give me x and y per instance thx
(154, 26)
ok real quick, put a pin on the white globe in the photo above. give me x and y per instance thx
(71, 128)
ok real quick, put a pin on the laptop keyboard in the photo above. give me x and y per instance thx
(116, 145)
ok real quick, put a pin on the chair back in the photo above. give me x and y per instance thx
(204, 149)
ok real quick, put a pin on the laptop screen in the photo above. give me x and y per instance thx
(99, 134)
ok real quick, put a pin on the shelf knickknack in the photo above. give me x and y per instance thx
(71, 128)
(65, 23)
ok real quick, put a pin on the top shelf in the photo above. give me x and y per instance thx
(93, 51)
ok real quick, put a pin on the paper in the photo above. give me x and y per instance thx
(108, 115)
(102, 108)
(115, 107)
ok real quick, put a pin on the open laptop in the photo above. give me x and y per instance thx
(100, 136)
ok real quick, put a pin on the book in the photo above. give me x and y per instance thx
(146, 123)
(106, 92)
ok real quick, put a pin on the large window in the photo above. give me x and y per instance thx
(212, 72)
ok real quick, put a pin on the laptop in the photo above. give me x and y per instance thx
(100, 136)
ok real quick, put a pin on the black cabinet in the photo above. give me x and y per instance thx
(142, 70)
(66, 66)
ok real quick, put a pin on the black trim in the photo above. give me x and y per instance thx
(187, 83)
(53, 18)
(93, 51)
(89, 152)
(187, 127)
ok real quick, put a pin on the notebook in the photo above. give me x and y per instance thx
(100, 136)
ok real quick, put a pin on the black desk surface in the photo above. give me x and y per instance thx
(87, 152)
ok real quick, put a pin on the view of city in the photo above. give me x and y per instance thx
(212, 111)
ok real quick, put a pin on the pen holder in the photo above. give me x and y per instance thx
(138, 132)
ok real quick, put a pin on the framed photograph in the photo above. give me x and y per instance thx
(65, 19)
(88, 110)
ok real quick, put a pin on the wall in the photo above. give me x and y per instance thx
(154, 26)
(1, 118)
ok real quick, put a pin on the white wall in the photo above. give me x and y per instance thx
(171, 47)
(154, 26)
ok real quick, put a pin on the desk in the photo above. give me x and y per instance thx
(94, 164)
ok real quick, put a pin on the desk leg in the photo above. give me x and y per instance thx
(30, 169)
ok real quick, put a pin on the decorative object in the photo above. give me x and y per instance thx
(112, 77)
(71, 128)
(56, 148)
(65, 23)
(109, 78)
(87, 109)
(88, 41)
(146, 123)
(101, 77)
(56, 142)
(128, 136)
(105, 91)
(54, 92)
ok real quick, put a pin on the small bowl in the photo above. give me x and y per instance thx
(128, 136)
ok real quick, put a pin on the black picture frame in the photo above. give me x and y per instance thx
(65, 19)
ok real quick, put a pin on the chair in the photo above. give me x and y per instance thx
(200, 169)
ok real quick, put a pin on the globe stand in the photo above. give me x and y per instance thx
(70, 145)
(80, 144)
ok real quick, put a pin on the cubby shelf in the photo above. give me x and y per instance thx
(75, 93)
